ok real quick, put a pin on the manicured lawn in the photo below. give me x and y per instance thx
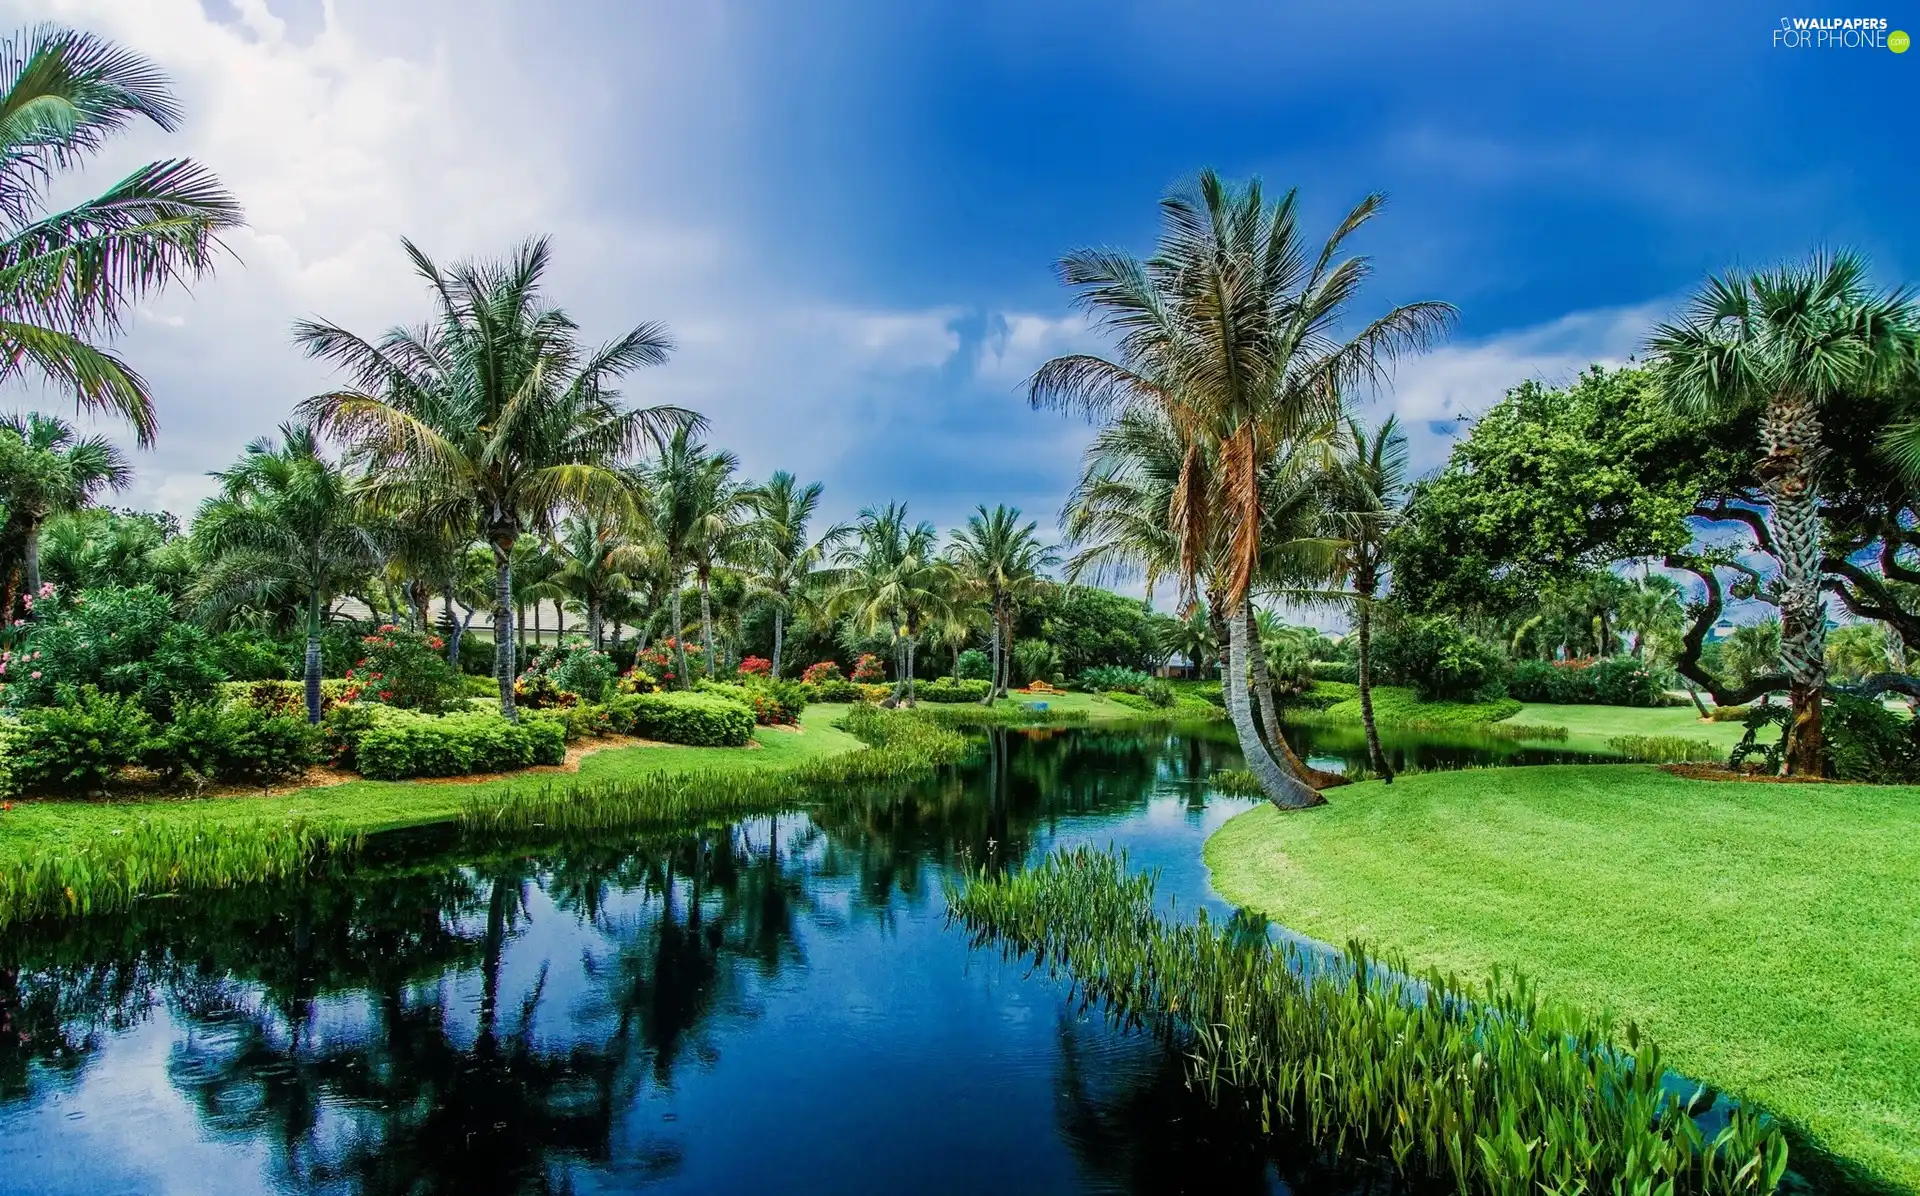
(1767, 935)
(1589, 727)
(37, 826)
(1097, 707)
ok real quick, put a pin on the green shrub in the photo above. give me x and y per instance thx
(1726, 714)
(400, 744)
(833, 689)
(120, 641)
(1335, 670)
(481, 687)
(81, 744)
(1864, 741)
(697, 719)
(1614, 681)
(403, 671)
(947, 690)
(1034, 660)
(974, 665)
(583, 720)
(1110, 677)
(1131, 701)
(1320, 695)
(256, 656)
(9, 734)
(575, 668)
(1158, 692)
(1439, 661)
(280, 697)
(477, 657)
(238, 742)
(774, 703)
(341, 728)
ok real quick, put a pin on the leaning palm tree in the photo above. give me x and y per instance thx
(691, 505)
(894, 579)
(593, 558)
(785, 563)
(1371, 487)
(69, 278)
(46, 470)
(494, 413)
(1231, 333)
(285, 529)
(1786, 342)
(1003, 561)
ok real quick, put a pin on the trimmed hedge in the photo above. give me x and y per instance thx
(695, 719)
(233, 742)
(1335, 670)
(833, 689)
(946, 689)
(280, 697)
(774, 703)
(400, 744)
(1614, 681)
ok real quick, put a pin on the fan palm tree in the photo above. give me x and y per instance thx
(494, 413)
(692, 504)
(784, 562)
(593, 557)
(46, 470)
(1371, 481)
(285, 528)
(1787, 342)
(894, 578)
(70, 277)
(1003, 561)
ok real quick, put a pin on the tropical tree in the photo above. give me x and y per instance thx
(1003, 561)
(692, 504)
(784, 563)
(284, 529)
(1371, 481)
(1231, 333)
(1653, 613)
(593, 557)
(894, 578)
(1788, 342)
(69, 278)
(493, 413)
(46, 470)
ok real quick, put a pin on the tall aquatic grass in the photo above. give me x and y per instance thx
(1485, 1089)
(1003, 715)
(900, 744)
(1666, 749)
(154, 857)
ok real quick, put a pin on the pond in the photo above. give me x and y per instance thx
(772, 1004)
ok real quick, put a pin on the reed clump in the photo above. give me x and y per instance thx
(1487, 1090)
(1665, 749)
(1018, 714)
(152, 857)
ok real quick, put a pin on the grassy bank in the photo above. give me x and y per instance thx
(1766, 934)
(1589, 727)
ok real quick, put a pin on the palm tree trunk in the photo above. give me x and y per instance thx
(1697, 703)
(311, 675)
(593, 622)
(910, 647)
(1262, 680)
(520, 619)
(993, 663)
(680, 644)
(1364, 670)
(453, 630)
(706, 623)
(1791, 432)
(779, 637)
(503, 662)
(33, 560)
(1281, 787)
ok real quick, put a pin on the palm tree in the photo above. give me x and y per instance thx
(691, 502)
(783, 562)
(285, 528)
(69, 277)
(593, 558)
(1004, 561)
(894, 578)
(46, 470)
(1372, 482)
(1788, 341)
(1231, 333)
(494, 412)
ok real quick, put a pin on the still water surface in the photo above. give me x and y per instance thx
(772, 1005)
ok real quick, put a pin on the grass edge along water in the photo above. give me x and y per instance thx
(152, 859)
(1486, 1090)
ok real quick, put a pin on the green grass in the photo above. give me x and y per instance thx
(1767, 935)
(1399, 707)
(1589, 727)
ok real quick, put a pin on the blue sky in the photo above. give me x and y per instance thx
(849, 211)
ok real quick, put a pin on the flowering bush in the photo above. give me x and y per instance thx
(121, 641)
(574, 667)
(404, 670)
(868, 669)
(756, 666)
(539, 691)
(824, 671)
(662, 660)
(774, 703)
(637, 680)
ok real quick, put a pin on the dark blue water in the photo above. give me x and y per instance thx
(776, 1004)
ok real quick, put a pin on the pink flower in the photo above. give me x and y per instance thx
(36, 674)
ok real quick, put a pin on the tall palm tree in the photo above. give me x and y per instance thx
(285, 528)
(1371, 483)
(46, 470)
(894, 578)
(494, 412)
(1232, 333)
(69, 278)
(1004, 561)
(692, 504)
(593, 556)
(784, 562)
(1788, 341)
